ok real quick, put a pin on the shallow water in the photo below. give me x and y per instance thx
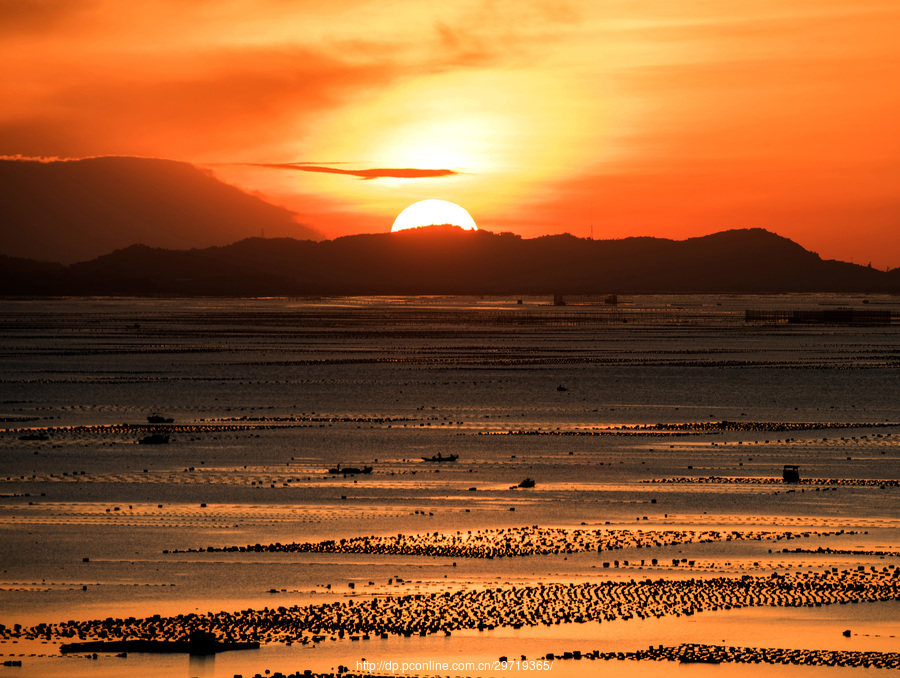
(269, 394)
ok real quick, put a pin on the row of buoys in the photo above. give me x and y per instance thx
(767, 426)
(721, 654)
(99, 429)
(517, 606)
(511, 542)
(734, 480)
(587, 432)
(300, 419)
(698, 428)
(846, 552)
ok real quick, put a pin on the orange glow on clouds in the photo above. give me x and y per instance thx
(634, 118)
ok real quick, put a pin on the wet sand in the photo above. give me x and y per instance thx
(657, 489)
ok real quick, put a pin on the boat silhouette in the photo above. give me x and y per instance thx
(791, 473)
(154, 439)
(198, 643)
(349, 470)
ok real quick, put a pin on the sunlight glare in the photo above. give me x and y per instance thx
(433, 213)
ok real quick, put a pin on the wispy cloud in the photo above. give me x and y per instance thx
(376, 173)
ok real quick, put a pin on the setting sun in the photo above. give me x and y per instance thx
(433, 213)
(607, 120)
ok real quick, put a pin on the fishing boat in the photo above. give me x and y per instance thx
(698, 660)
(154, 439)
(791, 473)
(35, 436)
(440, 457)
(199, 643)
(349, 470)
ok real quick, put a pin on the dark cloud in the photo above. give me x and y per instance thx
(208, 101)
(224, 102)
(37, 16)
(377, 173)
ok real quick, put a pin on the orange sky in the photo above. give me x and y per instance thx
(645, 117)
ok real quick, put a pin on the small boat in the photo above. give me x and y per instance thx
(154, 439)
(159, 419)
(528, 482)
(698, 660)
(349, 470)
(199, 643)
(791, 473)
(440, 457)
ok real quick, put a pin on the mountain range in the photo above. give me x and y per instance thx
(449, 260)
(75, 210)
(67, 227)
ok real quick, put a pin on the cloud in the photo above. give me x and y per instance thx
(507, 34)
(197, 106)
(98, 77)
(36, 16)
(378, 173)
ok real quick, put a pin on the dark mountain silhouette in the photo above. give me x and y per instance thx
(448, 260)
(75, 210)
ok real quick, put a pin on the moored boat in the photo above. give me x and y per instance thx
(154, 439)
(200, 642)
(791, 473)
(349, 470)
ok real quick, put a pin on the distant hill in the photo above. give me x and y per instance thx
(76, 210)
(448, 260)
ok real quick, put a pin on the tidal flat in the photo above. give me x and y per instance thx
(657, 534)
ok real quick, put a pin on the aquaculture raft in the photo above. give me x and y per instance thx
(192, 646)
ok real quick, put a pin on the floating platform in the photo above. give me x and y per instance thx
(156, 646)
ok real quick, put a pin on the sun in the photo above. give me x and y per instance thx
(433, 213)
